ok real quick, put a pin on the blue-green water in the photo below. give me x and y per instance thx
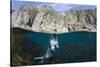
(73, 47)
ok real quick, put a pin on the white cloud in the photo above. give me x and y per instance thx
(61, 6)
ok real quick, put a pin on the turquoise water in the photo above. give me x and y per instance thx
(74, 47)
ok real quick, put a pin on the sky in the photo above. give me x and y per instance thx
(56, 6)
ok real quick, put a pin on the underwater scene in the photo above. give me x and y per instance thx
(52, 33)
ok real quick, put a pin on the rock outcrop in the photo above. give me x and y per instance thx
(45, 19)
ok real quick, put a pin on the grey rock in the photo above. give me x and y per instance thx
(45, 19)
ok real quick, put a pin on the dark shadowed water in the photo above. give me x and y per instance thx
(73, 47)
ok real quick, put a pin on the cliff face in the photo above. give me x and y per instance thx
(45, 19)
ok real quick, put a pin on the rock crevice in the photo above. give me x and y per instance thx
(47, 20)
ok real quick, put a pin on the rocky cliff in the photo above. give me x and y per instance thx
(45, 19)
